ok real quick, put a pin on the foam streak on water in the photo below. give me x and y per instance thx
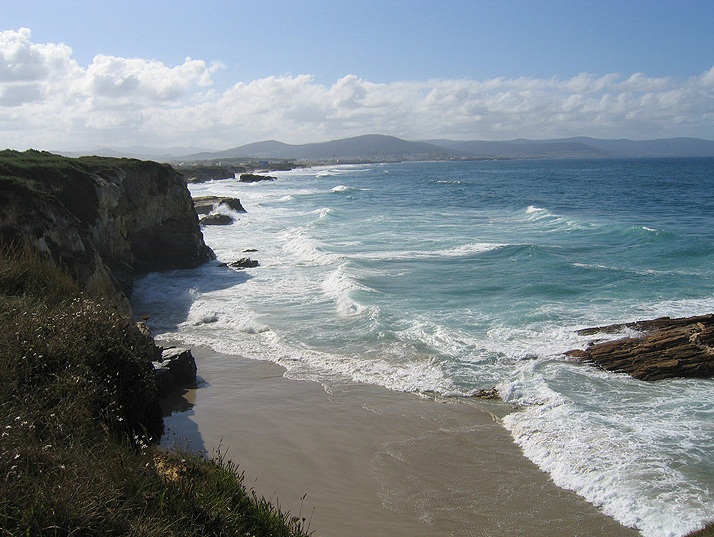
(451, 277)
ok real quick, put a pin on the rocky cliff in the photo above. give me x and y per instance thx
(105, 219)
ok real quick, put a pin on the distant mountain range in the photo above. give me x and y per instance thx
(368, 147)
(376, 147)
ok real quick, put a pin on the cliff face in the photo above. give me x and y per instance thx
(147, 221)
(106, 219)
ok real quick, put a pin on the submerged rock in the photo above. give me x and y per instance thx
(483, 393)
(681, 347)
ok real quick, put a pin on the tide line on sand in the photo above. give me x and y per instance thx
(365, 461)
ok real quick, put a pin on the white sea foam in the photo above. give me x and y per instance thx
(393, 366)
(457, 251)
(196, 316)
(343, 188)
(550, 220)
(306, 249)
(612, 454)
(339, 285)
(323, 212)
(345, 169)
(532, 209)
(640, 451)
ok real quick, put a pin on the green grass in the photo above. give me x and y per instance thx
(77, 404)
(70, 180)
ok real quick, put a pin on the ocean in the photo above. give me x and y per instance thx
(444, 278)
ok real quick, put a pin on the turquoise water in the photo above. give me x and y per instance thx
(448, 277)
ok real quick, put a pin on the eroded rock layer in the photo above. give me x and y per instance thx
(661, 348)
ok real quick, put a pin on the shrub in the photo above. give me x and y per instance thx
(77, 395)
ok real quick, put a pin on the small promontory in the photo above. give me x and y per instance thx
(659, 348)
(105, 219)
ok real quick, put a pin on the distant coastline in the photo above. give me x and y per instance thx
(381, 148)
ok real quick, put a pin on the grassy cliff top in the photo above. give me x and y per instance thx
(72, 181)
(75, 379)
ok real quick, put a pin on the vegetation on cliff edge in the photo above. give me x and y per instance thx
(77, 398)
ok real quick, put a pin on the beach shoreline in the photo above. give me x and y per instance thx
(362, 460)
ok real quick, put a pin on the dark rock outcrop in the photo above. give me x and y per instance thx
(243, 262)
(43, 221)
(207, 204)
(254, 178)
(105, 219)
(682, 347)
(175, 369)
(216, 220)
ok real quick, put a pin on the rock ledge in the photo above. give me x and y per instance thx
(665, 348)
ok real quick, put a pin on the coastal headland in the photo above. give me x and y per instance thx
(80, 413)
(354, 460)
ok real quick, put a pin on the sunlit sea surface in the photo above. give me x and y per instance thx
(450, 277)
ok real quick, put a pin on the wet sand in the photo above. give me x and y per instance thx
(364, 461)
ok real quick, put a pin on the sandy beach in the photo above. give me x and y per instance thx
(366, 461)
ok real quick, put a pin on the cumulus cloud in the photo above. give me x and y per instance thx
(47, 100)
(137, 80)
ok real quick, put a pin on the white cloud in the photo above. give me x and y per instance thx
(137, 80)
(28, 71)
(48, 101)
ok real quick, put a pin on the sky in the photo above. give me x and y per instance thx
(211, 74)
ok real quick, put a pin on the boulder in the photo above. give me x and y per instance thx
(254, 178)
(216, 220)
(662, 348)
(176, 369)
(244, 262)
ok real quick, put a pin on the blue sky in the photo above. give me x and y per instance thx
(308, 70)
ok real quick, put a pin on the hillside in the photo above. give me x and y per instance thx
(367, 147)
(584, 147)
(377, 147)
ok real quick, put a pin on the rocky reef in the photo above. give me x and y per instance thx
(105, 219)
(660, 348)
